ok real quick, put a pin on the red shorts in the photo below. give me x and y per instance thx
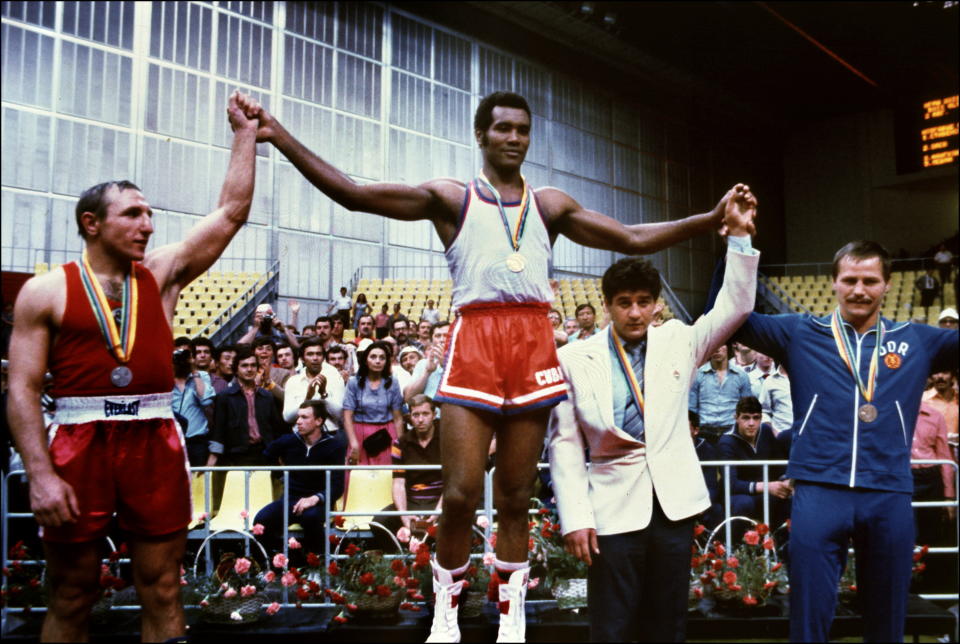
(123, 456)
(501, 357)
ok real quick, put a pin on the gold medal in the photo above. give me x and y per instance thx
(516, 262)
(867, 413)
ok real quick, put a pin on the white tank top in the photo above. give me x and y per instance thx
(477, 257)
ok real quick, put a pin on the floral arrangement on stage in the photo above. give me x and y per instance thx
(369, 584)
(24, 581)
(747, 577)
(564, 574)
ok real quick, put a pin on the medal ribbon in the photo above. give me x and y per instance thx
(513, 235)
(846, 354)
(119, 342)
(631, 377)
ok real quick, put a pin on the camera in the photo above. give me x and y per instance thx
(266, 322)
(181, 357)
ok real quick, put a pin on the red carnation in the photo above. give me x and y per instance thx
(351, 549)
(384, 591)
(762, 529)
(777, 566)
(768, 543)
(729, 577)
(749, 600)
(367, 578)
(338, 521)
(303, 593)
(313, 559)
(751, 537)
(699, 529)
(733, 562)
(339, 619)
(333, 569)
(717, 564)
(432, 531)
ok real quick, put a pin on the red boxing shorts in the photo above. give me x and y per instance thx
(122, 455)
(501, 357)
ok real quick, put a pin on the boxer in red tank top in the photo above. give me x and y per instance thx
(102, 326)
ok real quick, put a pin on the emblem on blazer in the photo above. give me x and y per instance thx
(892, 360)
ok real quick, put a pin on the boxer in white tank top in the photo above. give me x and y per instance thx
(478, 252)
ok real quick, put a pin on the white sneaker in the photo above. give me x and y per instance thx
(447, 594)
(513, 618)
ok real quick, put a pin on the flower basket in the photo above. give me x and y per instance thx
(570, 593)
(218, 608)
(740, 582)
(369, 582)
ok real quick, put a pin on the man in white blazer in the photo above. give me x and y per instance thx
(631, 514)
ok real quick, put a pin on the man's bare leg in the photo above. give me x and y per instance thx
(156, 574)
(73, 571)
(519, 445)
(465, 436)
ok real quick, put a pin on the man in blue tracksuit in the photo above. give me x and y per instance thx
(853, 429)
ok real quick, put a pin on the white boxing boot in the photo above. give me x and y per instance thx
(513, 618)
(447, 595)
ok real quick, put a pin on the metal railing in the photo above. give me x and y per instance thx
(487, 510)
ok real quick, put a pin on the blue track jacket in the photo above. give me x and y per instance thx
(830, 443)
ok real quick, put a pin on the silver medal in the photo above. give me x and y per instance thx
(867, 413)
(121, 376)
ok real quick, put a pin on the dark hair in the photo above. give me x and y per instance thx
(393, 325)
(244, 352)
(286, 345)
(323, 318)
(365, 315)
(334, 348)
(749, 405)
(319, 408)
(421, 399)
(308, 326)
(218, 351)
(362, 368)
(93, 200)
(439, 325)
(310, 342)
(200, 341)
(264, 340)
(483, 117)
(362, 298)
(182, 340)
(343, 288)
(630, 274)
(860, 250)
(580, 307)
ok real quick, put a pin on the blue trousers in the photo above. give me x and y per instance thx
(637, 586)
(311, 519)
(823, 520)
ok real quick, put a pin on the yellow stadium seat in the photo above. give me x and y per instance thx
(233, 500)
(367, 491)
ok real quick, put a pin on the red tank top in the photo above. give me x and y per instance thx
(80, 362)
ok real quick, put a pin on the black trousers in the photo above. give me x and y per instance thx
(637, 586)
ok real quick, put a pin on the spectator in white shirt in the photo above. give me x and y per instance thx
(318, 381)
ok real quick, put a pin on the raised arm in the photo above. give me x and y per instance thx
(597, 230)
(52, 499)
(394, 200)
(176, 265)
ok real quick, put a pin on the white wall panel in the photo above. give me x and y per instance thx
(26, 150)
(312, 19)
(181, 32)
(88, 154)
(308, 70)
(300, 205)
(358, 85)
(27, 58)
(176, 176)
(411, 45)
(178, 104)
(23, 225)
(37, 13)
(95, 84)
(305, 262)
(64, 243)
(451, 61)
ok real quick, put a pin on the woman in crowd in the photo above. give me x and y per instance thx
(556, 321)
(372, 408)
(382, 322)
(359, 309)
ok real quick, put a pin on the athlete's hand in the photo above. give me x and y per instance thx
(268, 126)
(740, 211)
(580, 543)
(53, 501)
(239, 119)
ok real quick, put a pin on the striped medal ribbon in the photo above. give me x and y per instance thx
(631, 377)
(515, 262)
(120, 341)
(868, 411)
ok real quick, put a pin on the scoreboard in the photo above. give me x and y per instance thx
(927, 133)
(938, 137)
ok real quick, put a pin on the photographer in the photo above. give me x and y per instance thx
(266, 323)
(192, 392)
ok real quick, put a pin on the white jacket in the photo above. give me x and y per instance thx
(615, 494)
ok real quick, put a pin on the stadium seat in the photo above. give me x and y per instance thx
(367, 491)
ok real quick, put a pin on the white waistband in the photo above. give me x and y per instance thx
(86, 409)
